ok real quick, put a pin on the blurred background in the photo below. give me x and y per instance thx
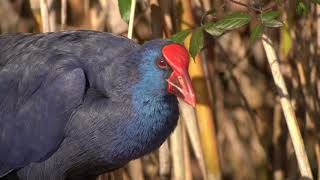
(237, 130)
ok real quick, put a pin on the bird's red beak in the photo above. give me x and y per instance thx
(179, 82)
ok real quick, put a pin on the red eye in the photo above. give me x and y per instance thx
(161, 63)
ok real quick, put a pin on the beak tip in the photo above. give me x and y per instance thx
(193, 104)
(191, 101)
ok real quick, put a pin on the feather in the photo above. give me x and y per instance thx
(75, 104)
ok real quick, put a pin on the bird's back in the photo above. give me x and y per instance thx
(42, 80)
(78, 103)
(81, 43)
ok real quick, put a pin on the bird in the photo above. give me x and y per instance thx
(78, 103)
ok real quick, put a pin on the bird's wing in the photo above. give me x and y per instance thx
(38, 93)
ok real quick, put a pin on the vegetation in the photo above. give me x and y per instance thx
(255, 70)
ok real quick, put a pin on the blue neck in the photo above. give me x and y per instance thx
(155, 113)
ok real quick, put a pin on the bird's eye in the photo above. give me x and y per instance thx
(162, 64)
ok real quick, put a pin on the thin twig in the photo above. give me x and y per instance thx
(99, 23)
(290, 117)
(63, 14)
(186, 153)
(51, 7)
(176, 142)
(164, 161)
(44, 16)
(270, 6)
(166, 9)
(206, 5)
(188, 114)
(156, 17)
(137, 19)
(259, 10)
(135, 169)
(132, 10)
(247, 6)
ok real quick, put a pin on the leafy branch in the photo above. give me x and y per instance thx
(266, 19)
(265, 16)
(227, 23)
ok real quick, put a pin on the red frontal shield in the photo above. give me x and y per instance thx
(179, 82)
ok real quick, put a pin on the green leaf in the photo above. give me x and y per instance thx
(228, 22)
(273, 23)
(256, 33)
(180, 36)
(212, 29)
(301, 8)
(267, 16)
(233, 21)
(196, 42)
(268, 19)
(124, 7)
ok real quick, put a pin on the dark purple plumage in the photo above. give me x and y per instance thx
(78, 103)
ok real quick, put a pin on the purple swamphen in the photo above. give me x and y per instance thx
(75, 104)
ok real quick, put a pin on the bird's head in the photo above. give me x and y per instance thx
(165, 66)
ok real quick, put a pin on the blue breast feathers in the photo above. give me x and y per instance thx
(155, 110)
